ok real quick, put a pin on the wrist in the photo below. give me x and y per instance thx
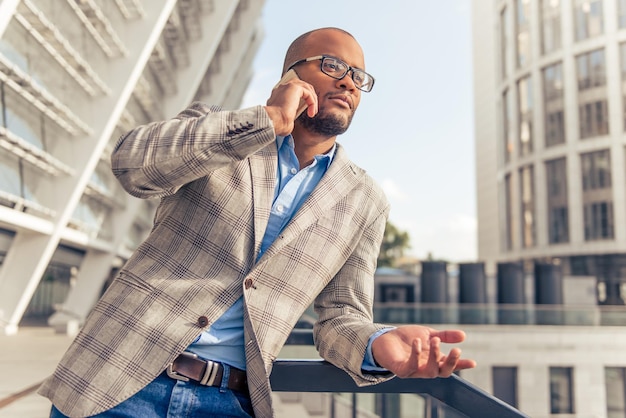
(281, 126)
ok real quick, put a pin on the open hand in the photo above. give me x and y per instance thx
(414, 351)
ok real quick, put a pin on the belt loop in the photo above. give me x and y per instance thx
(225, 378)
(209, 373)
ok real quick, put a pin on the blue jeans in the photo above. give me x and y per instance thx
(165, 397)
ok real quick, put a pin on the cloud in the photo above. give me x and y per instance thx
(393, 190)
(451, 238)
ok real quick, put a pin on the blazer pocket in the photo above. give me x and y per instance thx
(134, 282)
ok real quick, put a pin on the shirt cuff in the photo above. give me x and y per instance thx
(368, 361)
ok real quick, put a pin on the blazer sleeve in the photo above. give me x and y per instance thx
(156, 159)
(345, 307)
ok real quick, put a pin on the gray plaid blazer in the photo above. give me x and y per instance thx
(215, 173)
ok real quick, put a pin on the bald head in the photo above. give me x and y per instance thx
(297, 49)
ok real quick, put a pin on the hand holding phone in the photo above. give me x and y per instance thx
(290, 75)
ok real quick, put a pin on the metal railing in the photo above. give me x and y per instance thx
(320, 376)
(500, 314)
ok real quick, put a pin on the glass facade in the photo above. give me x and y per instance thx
(558, 210)
(615, 386)
(621, 14)
(561, 390)
(507, 118)
(509, 226)
(553, 105)
(527, 199)
(588, 19)
(622, 50)
(505, 30)
(550, 25)
(560, 191)
(522, 32)
(504, 380)
(597, 195)
(525, 116)
(592, 95)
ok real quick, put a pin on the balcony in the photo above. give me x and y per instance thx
(130, 9)
(99, 26)
(40, 98)
(51, 39)
(36, 157)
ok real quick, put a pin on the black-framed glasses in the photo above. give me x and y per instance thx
(337, 69)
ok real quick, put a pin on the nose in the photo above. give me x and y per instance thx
(346, 82)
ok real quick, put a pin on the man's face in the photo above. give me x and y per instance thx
(337, 99)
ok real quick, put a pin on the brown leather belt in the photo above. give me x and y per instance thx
(206, 372)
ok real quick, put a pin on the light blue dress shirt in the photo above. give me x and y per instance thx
(224, 340)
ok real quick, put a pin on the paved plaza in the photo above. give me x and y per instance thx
(25, 360)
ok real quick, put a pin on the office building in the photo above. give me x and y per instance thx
(549, 85)
(74, 76)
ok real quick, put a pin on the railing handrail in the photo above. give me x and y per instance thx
(321, 376)
(496, 314)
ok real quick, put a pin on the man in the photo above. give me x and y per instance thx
(261, 214)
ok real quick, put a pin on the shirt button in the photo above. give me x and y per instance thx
(248, 283)
(293, 170)
(203, 321)
(279, 208)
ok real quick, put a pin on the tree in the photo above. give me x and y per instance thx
(395, 242)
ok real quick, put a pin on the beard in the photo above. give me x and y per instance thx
(327, 124)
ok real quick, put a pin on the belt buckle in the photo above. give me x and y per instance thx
(170, 368)
(209, 373)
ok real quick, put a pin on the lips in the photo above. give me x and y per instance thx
(344, 98)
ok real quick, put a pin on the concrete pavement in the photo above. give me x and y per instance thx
(26, 359)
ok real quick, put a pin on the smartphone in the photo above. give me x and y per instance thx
(290, 75)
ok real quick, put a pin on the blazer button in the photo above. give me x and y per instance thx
(203, 321)
(248, 283)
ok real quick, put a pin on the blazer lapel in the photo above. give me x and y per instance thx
(263, 169)
(341, 177)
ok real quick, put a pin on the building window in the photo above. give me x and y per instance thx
(403, 293)
(550, 25)
(596, 170)
(506, 126)
(505, 28)
(588, 20)
(622, 48)
(522, 32)
(598, 221)
(525, 105)
(593, 109)
(597, 195)
(594, 119)
(554, 118)
(509, 225)
(615, 384)
(591, 70)
(527, 198)
(558, 213)
(561, 393)
(621, 14)
(504, 381)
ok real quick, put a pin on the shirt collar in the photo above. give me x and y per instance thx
(280, 140)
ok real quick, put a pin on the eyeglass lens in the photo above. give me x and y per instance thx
(338, 69)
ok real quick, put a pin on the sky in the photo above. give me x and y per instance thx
(414, 132)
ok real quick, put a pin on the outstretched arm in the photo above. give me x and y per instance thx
(415, 351)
